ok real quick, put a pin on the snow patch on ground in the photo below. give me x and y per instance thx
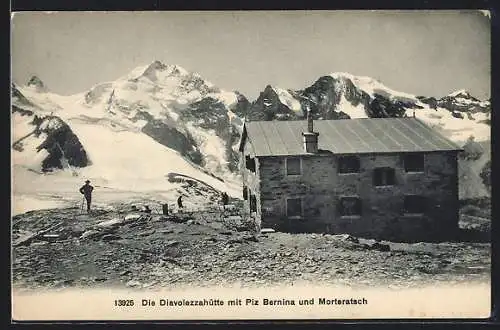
(23, 203)
(60, 188)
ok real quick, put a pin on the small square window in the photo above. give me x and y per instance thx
(414, 204)
(414, 162)
(294, 207)
(349, 164)
(293, 166)
(384, 176)
(350, 206)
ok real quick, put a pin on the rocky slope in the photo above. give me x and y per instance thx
(113, 248)
(54, 142)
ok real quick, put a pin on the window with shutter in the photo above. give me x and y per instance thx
(294, 207)
(414, 162)
(348, 164)
(414, 204)
(293, 166)
(350, 206)
(384, 176)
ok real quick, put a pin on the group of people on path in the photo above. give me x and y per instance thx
(86, 190)
(224, 201)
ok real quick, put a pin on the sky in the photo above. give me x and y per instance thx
(431, 53)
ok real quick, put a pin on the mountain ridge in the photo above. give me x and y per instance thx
(186, 113)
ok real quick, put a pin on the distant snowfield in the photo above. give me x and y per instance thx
(457, 130)
(124, 171)
(33, 191)
(121, 157)
(23, 203)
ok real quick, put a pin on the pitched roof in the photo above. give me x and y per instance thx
(367, 135)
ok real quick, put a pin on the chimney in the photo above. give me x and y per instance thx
(310, 127)
(310, 137)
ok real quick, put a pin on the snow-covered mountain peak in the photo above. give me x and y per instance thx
(158, 71)
(462, 100)
(461, 93)
(372, 86)
(37, 84)
(359, 79)
(170, 77)
(157, 83)
(464, 96)
(158, 65)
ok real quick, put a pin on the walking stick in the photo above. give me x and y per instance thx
(83, 200)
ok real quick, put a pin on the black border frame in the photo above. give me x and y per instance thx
(148, 5)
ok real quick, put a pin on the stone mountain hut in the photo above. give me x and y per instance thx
(385, 178)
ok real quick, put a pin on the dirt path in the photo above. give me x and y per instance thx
(134, 250)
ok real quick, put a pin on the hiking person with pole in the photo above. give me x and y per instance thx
(224, 200)
(86, 191)
(179, 203)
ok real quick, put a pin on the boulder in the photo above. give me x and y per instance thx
(110, 237)
(172, 243)
(349, 238)
(234, 218)
(89, 234)
(250, 238)
(132, 217)
(115, 222)
(133, 283)
(377, 246)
